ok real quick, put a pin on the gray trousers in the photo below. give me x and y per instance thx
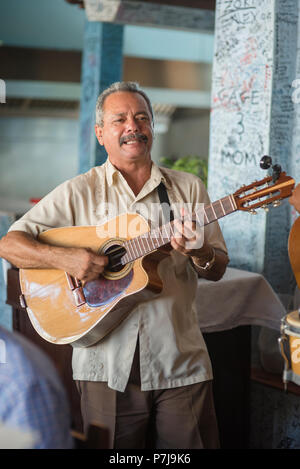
(177, 418)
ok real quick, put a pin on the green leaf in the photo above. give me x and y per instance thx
(190, 164)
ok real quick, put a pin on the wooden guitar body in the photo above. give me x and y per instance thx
(294, 249)
(53, 305)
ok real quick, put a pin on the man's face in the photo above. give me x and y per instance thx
(127, 132)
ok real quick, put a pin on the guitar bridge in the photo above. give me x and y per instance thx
(77, 290)
(78, 296)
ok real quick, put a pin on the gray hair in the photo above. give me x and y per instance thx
(130, 86)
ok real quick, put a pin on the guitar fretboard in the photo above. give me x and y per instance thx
(160, 236)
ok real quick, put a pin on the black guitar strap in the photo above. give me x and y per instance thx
(164, 199)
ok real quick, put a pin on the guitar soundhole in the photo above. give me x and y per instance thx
(115, 252)
(113, 282)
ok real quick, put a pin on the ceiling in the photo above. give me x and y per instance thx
(57, 24)
(56, 27)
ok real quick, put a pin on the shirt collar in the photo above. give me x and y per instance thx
(160, 175)
(157, 176)
(111, 171)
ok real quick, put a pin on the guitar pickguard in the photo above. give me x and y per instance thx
(102, 291)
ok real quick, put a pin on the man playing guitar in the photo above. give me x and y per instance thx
(153, 371)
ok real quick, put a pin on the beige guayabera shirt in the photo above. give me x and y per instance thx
(172, 349)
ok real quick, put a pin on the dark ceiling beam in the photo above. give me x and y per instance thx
(202, 4)
(187, 15)
(40, 65)
(22, 63)
(79, 3)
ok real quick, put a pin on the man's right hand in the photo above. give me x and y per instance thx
(82, 263)
(25, 252)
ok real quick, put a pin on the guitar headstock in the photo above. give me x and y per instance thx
(264, 192)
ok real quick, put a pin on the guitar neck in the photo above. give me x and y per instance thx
(160, 236)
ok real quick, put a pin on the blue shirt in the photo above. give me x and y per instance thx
(32, 396)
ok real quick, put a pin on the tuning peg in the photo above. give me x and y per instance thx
(265, 162)
(253, 212)
(276, 203)
(265, 207)
(276, 172)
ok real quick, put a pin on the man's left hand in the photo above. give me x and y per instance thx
(189, 241)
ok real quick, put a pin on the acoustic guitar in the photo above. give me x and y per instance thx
(64, 311)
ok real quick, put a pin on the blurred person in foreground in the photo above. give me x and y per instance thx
(33, 398)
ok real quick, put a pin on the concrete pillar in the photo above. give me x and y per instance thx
(101, 66)
(253, 114)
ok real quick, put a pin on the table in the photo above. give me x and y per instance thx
(240, 298)
(226, 311)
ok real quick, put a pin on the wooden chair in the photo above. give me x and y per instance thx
(97, 438)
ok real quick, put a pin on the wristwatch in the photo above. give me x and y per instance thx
(208, 264)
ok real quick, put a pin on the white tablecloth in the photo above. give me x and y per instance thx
(239, 298)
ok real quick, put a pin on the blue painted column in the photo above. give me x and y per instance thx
(102, 62)
(252, 114)
(282, 124)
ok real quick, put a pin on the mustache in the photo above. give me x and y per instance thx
(133, 136)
